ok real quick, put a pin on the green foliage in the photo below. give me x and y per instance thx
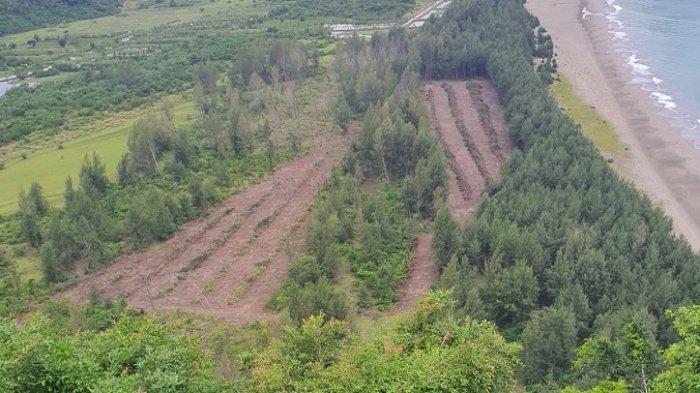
(299, 354)
(588, 243)
(93, 176)
(683, 357)
(316, 296)
(602, 387)
(357, 10)
(429, 351)
(509, 294)
(134, 354)
(150, 217)
(32, 207)
(16, 16)
(446, 240)
(549, 344)
(631, 356)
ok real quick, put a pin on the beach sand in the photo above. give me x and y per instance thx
(660, 162)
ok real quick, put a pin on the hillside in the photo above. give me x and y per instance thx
(410, 211)
(22, 15)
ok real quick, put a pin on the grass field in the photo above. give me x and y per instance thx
(600, 132)
(139, 20)
(50, 166)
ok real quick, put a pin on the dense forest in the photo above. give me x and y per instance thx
(562, 252)
(23, 15)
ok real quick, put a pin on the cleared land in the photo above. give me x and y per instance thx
(469, 122)
(421, 274)
(232, 262)
(470, 125)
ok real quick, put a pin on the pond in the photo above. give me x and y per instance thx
(5, 86)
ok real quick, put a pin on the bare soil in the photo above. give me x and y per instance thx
(230, 263)
(421, 275)
(461, 117)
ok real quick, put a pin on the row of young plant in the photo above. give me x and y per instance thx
(562, 252)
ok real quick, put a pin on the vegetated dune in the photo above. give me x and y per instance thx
(230, 263)
(469, 122)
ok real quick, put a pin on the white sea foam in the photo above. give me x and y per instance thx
(664, 99)
(637, 67)
(618, 35)
(643, 77)
(585, 12)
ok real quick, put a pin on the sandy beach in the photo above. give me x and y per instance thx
(660, 162)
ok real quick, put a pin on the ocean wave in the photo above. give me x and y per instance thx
(664, 99)
(585, 13)
(637, 67)
(613, 19)
(642, 76)
(618, 35)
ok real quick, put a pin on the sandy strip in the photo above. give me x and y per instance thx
(661, 163)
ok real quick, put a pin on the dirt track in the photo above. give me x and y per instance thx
(230, 263)
(421, 274)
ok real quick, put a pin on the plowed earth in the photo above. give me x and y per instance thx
(230, 263)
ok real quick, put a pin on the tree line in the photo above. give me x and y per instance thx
(169, 174)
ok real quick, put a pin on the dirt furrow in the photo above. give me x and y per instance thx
(466, 168)
(496, 117)
(233, 266)
(176, 281)
(486, 144)
(148, 274)
(421, 275)
(456, 199)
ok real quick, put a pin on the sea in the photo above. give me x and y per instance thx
(660, 42)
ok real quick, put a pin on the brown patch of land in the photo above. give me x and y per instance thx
(469, 122)
(230, 263)
(421, 275)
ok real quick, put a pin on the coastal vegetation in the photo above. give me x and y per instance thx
(600, 132)
(565, 278)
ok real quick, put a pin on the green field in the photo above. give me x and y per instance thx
(600, 132)
(51, 166)
(135, 20)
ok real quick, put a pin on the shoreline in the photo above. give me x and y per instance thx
(661, 163)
